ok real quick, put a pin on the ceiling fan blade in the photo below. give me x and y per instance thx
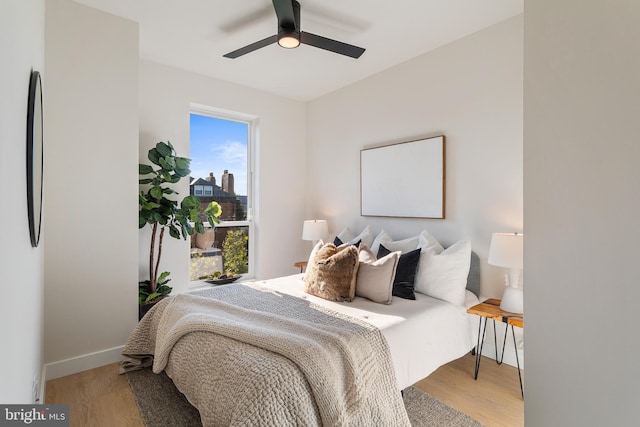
(331, 45)
(285, 13)
(250, 48)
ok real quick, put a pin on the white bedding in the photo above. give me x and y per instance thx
(422, 335)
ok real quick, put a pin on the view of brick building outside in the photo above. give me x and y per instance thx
(234, 208)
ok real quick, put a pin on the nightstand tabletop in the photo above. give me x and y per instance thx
(491, 309)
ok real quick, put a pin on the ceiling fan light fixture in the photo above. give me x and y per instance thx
(289, 35)
(289, 39)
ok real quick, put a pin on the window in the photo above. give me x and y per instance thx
(221, 152)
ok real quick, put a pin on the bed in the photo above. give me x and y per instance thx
(244, 377)
(422, 334)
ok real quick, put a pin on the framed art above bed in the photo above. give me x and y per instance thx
(405, 179)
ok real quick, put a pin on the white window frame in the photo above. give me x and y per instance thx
(252, 123)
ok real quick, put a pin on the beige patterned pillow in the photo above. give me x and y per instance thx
(332, 274)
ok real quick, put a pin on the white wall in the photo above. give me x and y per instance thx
(21, 266)
(165, 97)
(582, 204)
(471, 92)
(91, 152)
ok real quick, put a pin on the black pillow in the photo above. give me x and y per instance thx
(403, 283)
(338, 242)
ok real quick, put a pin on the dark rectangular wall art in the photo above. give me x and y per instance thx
(406, 179)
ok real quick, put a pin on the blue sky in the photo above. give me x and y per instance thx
(217, 145)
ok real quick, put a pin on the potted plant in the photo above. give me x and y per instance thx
(182, 218)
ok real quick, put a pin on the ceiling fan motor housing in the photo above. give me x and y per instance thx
(289, 32)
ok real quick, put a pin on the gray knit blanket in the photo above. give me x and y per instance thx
(244, 355)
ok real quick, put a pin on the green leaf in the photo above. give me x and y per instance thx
(199, 227)
(169, 191)
(144, 169)
(174, 232)
(170, 161)
(150, 206)
(182, 163)
(145, 181)
(190, 202)
(166, 166)
(213, 209)
(156, 192)
(175, 178)
(151, 297)
(182, 172)
(163, 276)
(186, 227)
(163, 149)
(154, 156)
(164, 289)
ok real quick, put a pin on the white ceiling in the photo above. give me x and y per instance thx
(194, 34)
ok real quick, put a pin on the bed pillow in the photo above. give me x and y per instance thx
(312, 255)
(339, 243)
(429, 243)
(382, 237)
(376, 276)
(332, 273)
(424, 240)
(403, 282)
(444, 275)
(347, 236)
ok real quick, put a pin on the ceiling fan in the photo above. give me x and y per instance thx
(290, 36)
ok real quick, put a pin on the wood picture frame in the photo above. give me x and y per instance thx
(405, 179)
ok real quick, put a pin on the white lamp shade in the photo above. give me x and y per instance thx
(315, 229)
(506, 250)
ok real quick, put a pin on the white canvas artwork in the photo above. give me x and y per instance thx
(406, 179)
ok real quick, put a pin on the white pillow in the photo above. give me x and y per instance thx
(365, 237)
(444, 275)
(345, 235)
(382, 237)
(375, 276)
(424, 241)
(428, 243)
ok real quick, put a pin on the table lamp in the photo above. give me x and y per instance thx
(506, 251)
(314, 230)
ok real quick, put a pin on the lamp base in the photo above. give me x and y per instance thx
(512, 300)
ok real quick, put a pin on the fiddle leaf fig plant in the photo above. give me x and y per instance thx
(182, 218)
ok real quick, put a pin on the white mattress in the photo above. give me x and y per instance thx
(423, 334)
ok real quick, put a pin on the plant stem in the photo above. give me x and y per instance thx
(152, 277)
(155, 274)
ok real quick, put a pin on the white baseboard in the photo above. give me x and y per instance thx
(81, 363)
(489, 351)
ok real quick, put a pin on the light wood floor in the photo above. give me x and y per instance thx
(100, 397)
(494, 399)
